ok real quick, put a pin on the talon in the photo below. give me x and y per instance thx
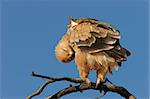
(88, 82)
(98, 82)
(97, 85)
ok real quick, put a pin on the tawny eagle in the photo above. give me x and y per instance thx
(94, 45)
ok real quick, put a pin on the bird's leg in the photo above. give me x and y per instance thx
(100, 77)
(84, 76)
(99, 80)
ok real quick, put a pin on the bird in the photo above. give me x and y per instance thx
(94, 45)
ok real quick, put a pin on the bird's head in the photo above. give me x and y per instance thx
(63, 51)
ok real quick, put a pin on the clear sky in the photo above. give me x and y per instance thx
(32, 28)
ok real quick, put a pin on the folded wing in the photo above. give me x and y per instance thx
(93, 36)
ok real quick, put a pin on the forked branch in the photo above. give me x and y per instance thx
(81, 87)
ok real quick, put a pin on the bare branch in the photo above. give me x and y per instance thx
(74, 80)
(103, 87)
(106, 88)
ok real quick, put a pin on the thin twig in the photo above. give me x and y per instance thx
(74, 80)
(40, 89)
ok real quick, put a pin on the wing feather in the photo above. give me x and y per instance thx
(93, 36)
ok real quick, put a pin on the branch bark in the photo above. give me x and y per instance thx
(103, 87)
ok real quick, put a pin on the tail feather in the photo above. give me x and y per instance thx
(119, 54)
(125, 52)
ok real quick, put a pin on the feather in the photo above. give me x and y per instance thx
(109, 40)
(91, 38)
(87, 42)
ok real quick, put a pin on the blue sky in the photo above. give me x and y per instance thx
(31, 29)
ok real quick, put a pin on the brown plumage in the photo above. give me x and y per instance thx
(95, 45)
(64, 52)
